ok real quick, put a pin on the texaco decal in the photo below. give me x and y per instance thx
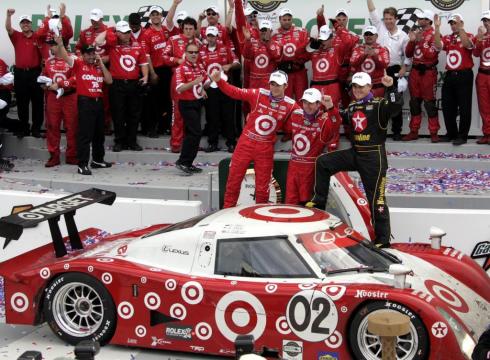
(192, 292)
(454, 59)
(368, 66)
(262, 61)
(203, 331)
(45, 273)
(301, 144)
(106, 278)
(322, 65)
(170, 284)
(127, 62)
(265, 125)
(282, 326)
(334, 291)
(289, 49)
(240, 312)
(197, 91)
(19, 302)
(447, 295)
(152, 301)
(178, 311)
(271, 288)
(335, 340)
(140, 331)
(439, 329)
(125, 310)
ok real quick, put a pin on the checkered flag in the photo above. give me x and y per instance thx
(407, 18)
(144, 13)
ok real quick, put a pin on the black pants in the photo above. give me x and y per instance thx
(90, 129)
(191, 114)
(160, 102)
(457, 92)
(396, 121)
(27, 90)
(372, 165)
(219, 117)
(126, 102)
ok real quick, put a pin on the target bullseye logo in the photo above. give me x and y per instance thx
(362, 202)
(485, 55)
(192, 292)
(322, 65)
(197, 90)
(106, 278)
(334, 291)
(282, 325)
(368, 66)
(152, 301)
(127, 62)
(178, 311)
(66, 266)
(447, 295)
(283, 213)
(417, 53)
(105, 260)
(301, 144)
(212, 67)
(19, 302)
(271, 288)
(59, 77)
(125, 310)
(265, 125)
(140, 331)
(170, 284)
(203, 331)
(45, 273)
(454, 59)
(262, 61)
(335, 340)
(289, 49)
(238, 313)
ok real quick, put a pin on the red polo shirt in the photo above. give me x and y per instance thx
(90, 79)
(27, 52)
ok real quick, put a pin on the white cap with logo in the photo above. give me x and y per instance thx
(24, 17)
(156, 8)
(265, 24)
(341, 11)
(427, 14)
(312, 95)
(370, 29)
(213, 8)
(279, 77)
(249, 10)
(96, 14)
(454, 17)
(212, 30)
(123, 26)
(181, 15)
(324, 33)
(285, 11)
(361, 79)
(485, 15)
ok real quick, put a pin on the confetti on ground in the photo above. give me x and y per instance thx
(438, 155)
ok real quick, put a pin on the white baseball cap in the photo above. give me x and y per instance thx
(427, 14)
(454, 17)
(212, 30)
(214, 8)
(123, 26)
(279, 77)
(265, 24)
(485, 15)
(24, 17)
(341, 11)
(370, 29)
(249, 10)
(285, 11)
(361, 79)
(324, 33)
(181, 15)
(54, 13)
(312, 95)
(96, 14)
(156, 8)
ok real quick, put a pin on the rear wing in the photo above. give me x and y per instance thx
(12, 226)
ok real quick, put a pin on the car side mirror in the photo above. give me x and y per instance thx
(400, 273)
(436, 235)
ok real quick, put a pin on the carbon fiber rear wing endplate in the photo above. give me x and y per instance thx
(12, 226)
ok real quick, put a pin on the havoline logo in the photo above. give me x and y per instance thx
(482, 251)
(266, 5)
(447, 5)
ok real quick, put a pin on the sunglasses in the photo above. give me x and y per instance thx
(193, 52)
(211, 13)
(264, 30)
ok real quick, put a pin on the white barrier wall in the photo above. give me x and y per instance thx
(124, 214)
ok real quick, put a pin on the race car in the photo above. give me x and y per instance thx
(298, 280)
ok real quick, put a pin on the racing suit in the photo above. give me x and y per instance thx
(263, 59)
(63, 108)
(174, 51)
(256, 143)
(293, 42)
(45, 33)
(310, 134)
(374, 65)
(422, 82)
(368, 119)
(482, 50)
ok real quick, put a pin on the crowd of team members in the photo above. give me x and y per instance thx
(171, 66)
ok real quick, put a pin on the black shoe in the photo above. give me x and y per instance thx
(446, 138)
(459, 141)
(153, 134)
(84, 170)
(195, 169)
(135, 147)
(184, 168)
(117, 148)
(397, 137)
(36, 134)
(100, 164)
(231, 149)
(211, 148)
(6, 165)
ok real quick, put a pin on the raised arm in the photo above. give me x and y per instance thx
(169, 19)
(8, 21)
(62, 53)
(437, 34)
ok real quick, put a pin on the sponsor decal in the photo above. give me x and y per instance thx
(482, 251)
(171, 250)
(292, 350)
(400, 308)
(132, 341)
(439, 329)
(447, 5)
(160, 342)
(266, 5)
(326, 355)
(197, 348)
(359, 121)
(179, 332)
(360, 294)
(50, 209)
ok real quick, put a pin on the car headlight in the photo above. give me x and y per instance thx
(465, 341)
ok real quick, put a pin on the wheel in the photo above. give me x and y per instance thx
(364, 345)
(78, 307)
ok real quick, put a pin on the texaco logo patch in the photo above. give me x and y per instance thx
(289, 49)
(301, 144)
(261, 61)
(127, 62)
(265, 125)
(454, 59)
(368, 65)
(322, 65)
(359, 121)
(439, 329)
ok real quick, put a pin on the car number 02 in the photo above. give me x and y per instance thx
(312, 315)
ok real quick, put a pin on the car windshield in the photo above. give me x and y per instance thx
(179, 226)
(342, 250)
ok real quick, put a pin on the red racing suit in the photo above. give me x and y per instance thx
(310, 134)
(374, 65)
(482, 50)
(44, 34)
(293, 42)
(422, 81)
(63, 109)
(174, 51)
(263, 59)
(256, 143)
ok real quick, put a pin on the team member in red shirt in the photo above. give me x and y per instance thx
(457, 89)
(126, 62)
(6, 87)
(62, 107)
(189, 85)
(211, 14)
(271, 110)
(27, 69)
(91, 74)
(482, 50)
(174, 56)
(293, 40)
(311, 131)
(219, 107)
(372, 59)
(263, 54)
(423, 77)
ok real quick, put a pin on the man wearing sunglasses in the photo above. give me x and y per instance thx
(270, 111)
(211, 14)
(482, 50)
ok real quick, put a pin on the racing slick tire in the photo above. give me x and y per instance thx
(414, 345)
(78, 307)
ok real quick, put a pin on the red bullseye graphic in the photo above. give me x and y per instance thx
(334, 291)
(105, 260)
(446, 295)
(368, 65)
(265, 125)
(125, 310)
(140, 331)
(271, 288)
(45, 273)
(283, 213)
(486, 55)
(301, 144)
(152, 301)
(335, 340)
(127, 62)
(417, 53)
(240, 317)
(203, 331)
(454, 59)
(170, 284)
(19, 302)
(106, 278)
(66, 266)
(289, 50)
(178, 311)
(282, 326)
(322, 65)
(261, 61)
(192, 292)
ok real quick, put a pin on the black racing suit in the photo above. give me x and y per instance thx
(368, 120)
